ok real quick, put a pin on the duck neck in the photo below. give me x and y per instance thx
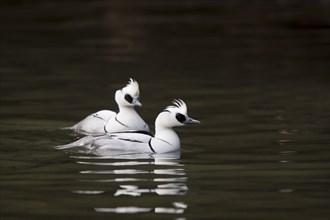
(168, 135)
(126, 114)
(126, 110)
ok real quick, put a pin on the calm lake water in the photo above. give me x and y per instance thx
(255, 73)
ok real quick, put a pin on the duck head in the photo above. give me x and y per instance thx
(129, 96)
(175, 115)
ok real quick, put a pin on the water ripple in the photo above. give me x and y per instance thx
(123, 171)
(178, 208)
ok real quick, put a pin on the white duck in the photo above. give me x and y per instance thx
(165, 139)
(127, 118)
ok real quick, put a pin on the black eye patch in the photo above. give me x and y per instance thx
(128, 98)
(180, 117)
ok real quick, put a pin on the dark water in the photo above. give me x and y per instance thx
(255, 73)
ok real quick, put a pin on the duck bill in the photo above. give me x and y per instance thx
(137, 102)
(191, 121)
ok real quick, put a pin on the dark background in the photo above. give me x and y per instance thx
(254, 72)
(160, 39)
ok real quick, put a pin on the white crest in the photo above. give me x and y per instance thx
(132, 88)
(178, 105)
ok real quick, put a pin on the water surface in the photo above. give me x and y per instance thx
(255, 74)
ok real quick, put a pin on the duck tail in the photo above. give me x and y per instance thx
(74, 127)
(82, 142)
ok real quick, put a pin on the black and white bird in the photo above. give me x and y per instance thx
(165, 139)
(106, 121)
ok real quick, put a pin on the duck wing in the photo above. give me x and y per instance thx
(137, 141)
(94, 123)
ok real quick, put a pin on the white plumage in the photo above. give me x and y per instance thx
(165, 139)
(127, 118)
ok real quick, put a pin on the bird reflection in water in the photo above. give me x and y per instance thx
(177, 208)
(165, 170)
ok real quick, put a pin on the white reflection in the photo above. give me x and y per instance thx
(169, 210)
(130, 190)
(172, 189)
(130, 163)
(180, 179)
(284, 141)
(136, 175)
(167, 162)
(284, 131)
(286, 190)
(123, 171)
(132, 171)
(288, 132)
(170, 171)
(122, 163)
(288, 152)
(181, 205)
(163, 189)
(129, 209)
(178, 208)
(115, 180)
(89, 192)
